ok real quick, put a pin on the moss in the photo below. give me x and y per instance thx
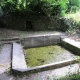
(44, 55)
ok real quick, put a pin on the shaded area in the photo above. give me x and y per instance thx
(29, 25)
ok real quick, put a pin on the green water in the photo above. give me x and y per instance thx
(44, 55)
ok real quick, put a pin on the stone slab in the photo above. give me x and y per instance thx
(72, 45)
(18, 59)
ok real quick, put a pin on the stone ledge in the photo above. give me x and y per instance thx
(47, 66)
(18, 59)
(41, 40)
(71, 45)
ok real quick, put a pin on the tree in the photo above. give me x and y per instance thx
(35, 7)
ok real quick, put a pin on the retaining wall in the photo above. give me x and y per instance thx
(41, 40)
(37, 23)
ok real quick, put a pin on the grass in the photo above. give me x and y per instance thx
(75, 19)
(74, 16)
(71, 77)
(74, 22)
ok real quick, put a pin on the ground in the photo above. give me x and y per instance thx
(9, 33)
(44, 75)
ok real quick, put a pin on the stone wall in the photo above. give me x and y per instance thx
(41, 40)
(36, 23)
(15, 23)
(46, 23)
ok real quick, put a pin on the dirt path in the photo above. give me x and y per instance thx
(9, 33)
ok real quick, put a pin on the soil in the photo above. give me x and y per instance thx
(9, 33)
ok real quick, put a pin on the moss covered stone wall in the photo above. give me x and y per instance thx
(36, 23)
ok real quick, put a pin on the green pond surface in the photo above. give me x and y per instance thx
(45, 55)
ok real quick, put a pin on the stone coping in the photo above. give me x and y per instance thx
(18, 59)
(35, 34)
(72, 42)
(72, 45)
(46, 66)
(41, 40)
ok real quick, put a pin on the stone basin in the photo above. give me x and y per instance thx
(18, 56)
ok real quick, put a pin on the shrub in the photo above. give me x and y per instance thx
(73, 6)
(33, 7)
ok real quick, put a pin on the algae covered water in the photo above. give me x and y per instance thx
(45, 55)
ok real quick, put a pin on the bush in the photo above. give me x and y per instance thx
(35, 7)
(73, 6)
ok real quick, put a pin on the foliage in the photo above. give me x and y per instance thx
(33, 7)
(40, 7)
(10, 6)
(48, 7)
(73, 6)
(71, 77)
(74, 20)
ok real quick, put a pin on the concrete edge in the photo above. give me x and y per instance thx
(10, 39)
(9, 42)
(18, 59)
(41, 40)
(71, 45)
(48, 66)
(43, 35)
(21, 38)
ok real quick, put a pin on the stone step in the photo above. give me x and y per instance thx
(18, 59)
(72, 45)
